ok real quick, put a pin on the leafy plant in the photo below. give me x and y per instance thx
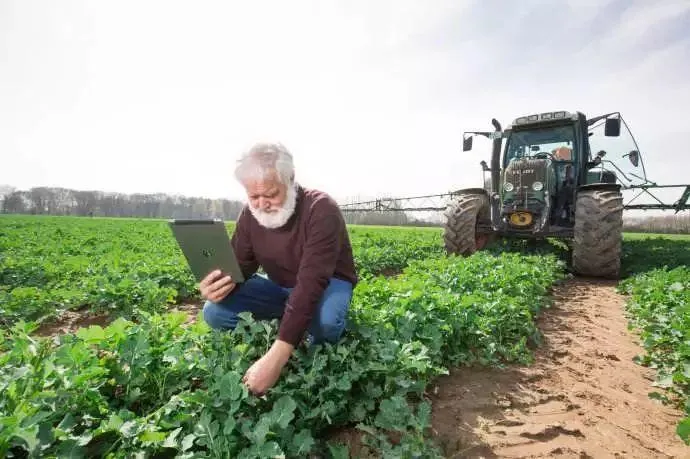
(160, 388)
(659, 307)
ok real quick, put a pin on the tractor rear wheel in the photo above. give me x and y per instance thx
(460, 234)
(598, 234)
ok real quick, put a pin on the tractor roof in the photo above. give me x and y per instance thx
(547, 117)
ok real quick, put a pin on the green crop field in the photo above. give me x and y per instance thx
(151, 385)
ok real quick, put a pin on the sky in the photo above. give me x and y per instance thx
(371, 97)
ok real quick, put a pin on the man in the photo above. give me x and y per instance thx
(298, 236)
(563, 153)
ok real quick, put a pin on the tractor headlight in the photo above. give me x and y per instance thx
(508, 187)
(537, 186)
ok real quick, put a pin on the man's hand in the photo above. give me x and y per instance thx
(215, 286)
(264, 373)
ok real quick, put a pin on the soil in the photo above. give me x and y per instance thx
(583, 397)
(71, 321)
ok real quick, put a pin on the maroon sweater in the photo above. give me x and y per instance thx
(305, 253)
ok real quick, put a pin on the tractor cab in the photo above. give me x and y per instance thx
(551, 149)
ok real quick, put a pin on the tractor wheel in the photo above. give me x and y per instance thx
(460, 231)
(598, 233)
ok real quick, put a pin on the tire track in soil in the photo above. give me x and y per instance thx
(583, 397)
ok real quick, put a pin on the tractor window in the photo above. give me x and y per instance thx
(554, 142)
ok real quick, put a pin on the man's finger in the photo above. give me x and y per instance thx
(220, 283)
(220, 294)
(209, 278)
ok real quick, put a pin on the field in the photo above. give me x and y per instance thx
(152, 381)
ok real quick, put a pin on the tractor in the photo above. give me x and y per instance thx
(547, 181)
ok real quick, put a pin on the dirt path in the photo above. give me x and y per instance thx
(584, 397)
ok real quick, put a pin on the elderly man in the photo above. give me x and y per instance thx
(298, 236)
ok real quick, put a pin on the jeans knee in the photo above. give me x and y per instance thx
(214, 316)
(330, 330)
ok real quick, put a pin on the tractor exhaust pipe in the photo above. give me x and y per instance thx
(495, 157)
(494, 200)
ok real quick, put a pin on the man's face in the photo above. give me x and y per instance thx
(270, 201)
(266, 195)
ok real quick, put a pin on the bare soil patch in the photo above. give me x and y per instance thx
(71, 321)
(584, 397)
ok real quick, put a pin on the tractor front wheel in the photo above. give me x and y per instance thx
(460, 234)
(598, 233)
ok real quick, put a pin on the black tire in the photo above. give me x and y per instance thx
(460, 229)
(598, 234)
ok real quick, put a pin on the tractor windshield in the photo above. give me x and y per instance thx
(553, 142)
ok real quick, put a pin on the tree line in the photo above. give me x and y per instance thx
(666, 224)
(64, 201)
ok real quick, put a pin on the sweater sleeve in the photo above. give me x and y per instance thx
(317, 265)
(242, 245)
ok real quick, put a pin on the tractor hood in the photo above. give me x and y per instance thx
(526, 175)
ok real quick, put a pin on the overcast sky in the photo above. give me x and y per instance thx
(371, 97)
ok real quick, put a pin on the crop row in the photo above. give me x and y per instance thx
(158, 388)
(119, 266)
(659, 307)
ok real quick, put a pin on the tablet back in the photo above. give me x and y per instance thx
(206, 246)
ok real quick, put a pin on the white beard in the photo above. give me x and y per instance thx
(279, 217)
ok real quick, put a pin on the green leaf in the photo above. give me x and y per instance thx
(129, 429)
(69, 449)
(230, 386)
(302, 443)
(683, 430)
(92, 334)
(30, 436)
(67, 423)
(261, 430)
(151, 436)
(338, 451)
(393, 414)
(171, 440)
(229, 425)
(188, 441)
(283, 411)
(114, 422)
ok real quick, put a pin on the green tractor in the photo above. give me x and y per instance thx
(547, 181)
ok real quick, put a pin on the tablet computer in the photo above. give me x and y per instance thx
(205, 244)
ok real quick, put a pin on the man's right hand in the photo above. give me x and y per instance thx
(215, 286)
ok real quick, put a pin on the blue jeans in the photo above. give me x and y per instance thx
(266, 300)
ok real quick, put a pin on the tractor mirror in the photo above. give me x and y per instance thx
(612, 127)
(634, 157)
(467, 144)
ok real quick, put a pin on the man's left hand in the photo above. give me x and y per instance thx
(264, 373)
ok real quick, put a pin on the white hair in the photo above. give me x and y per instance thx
(264, 159)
